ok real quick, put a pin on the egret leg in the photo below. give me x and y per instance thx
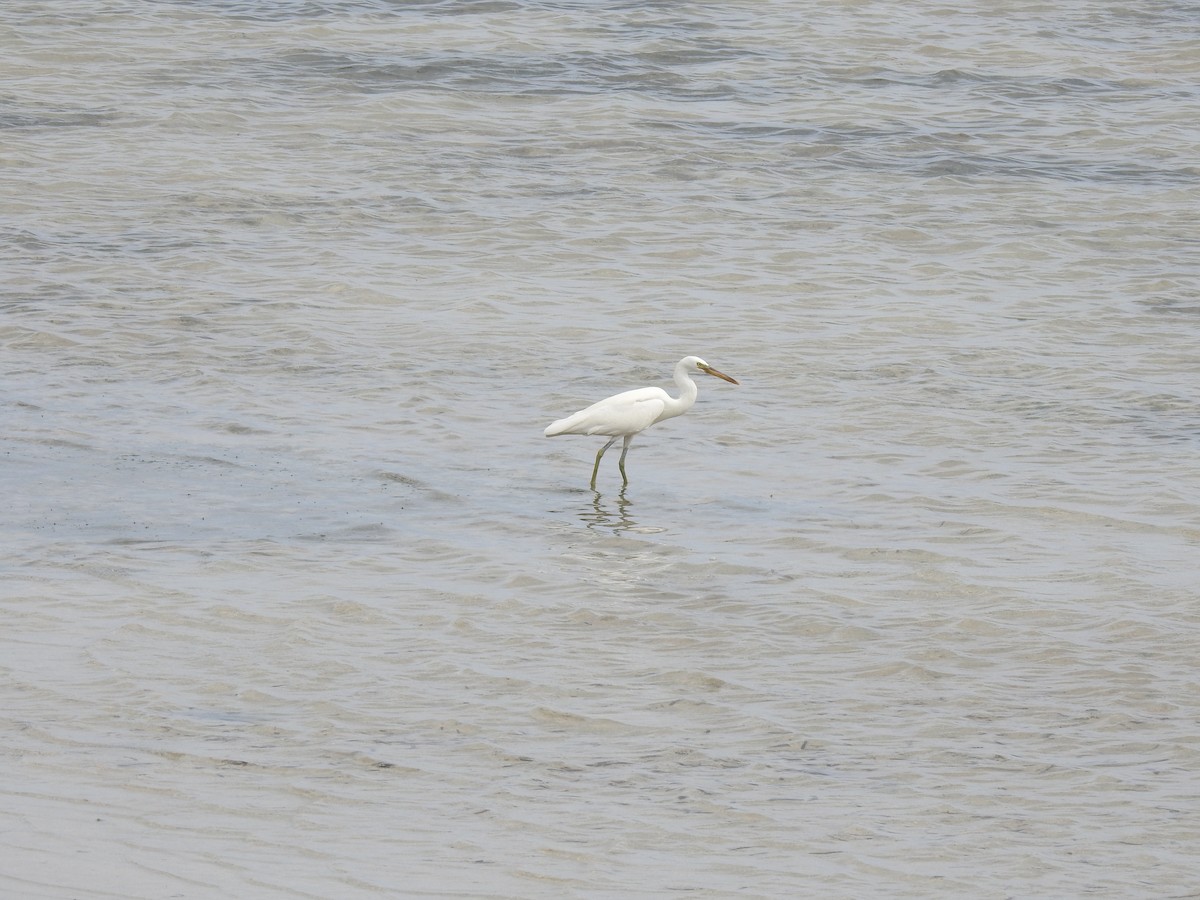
(624, 450)
(596, 468)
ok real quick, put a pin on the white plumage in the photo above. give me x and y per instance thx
(631, 412)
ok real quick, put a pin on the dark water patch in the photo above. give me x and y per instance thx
(665, 73)
(928, 154)
(999, 85)
(83, 241)
(1037, 167)
(1186, 306)
(285, 10)
(11, 119)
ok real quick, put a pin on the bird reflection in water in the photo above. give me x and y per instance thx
(612, 514)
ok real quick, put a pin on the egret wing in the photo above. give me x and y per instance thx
(626, 413)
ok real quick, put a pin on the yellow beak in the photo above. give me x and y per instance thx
(709, 370)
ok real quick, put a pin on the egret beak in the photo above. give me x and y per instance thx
(709, 370)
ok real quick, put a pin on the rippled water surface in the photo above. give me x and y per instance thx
(298, 601)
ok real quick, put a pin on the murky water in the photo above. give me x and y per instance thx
(298, 601)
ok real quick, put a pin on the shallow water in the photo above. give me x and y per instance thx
(298, 601)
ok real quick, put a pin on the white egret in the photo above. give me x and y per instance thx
(632, 412)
